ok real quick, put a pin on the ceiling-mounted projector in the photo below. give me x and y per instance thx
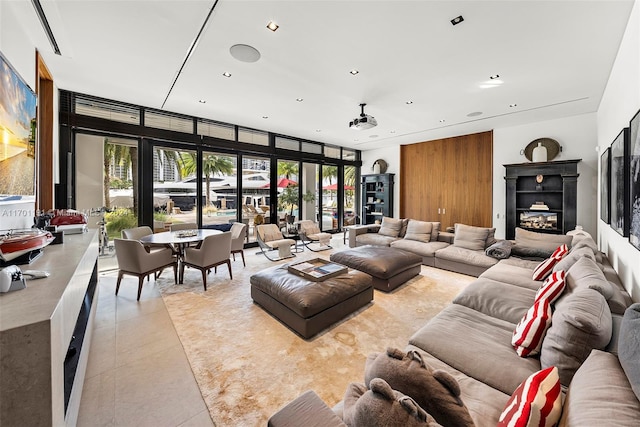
(365, 121)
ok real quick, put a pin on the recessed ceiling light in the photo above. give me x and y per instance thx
(393, 131)
(226, 74)
(272, 26)
(202, 101)
(354, 72)
(441, 120)
(265, 117)
(299, 99)
(457, 20)
(409, 102)
(474, 114)
(373, 136)
(318, 130)
(513, 105)
(356, 140)
(495, 76)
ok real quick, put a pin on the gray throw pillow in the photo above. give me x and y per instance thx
(390, 227)
(419, 231)
(403, 229)
(470, 237)
(629, 346)
(585, 273)
(567, 262)
(581, 322)
(531, 243)
(435, 230)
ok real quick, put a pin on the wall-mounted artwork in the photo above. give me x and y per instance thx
(619, 183)
(605, 185)
(634, 180)
(17, 135)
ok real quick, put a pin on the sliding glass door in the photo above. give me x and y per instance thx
(220, 187)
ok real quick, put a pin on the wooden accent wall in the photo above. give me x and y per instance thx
(45, 174)
(448, 180)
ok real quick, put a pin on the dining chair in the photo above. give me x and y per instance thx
(310, 234)
(214, 251)
(133, 259)
(238, 236)
(270, 238)
(183, 226)
(136, 233)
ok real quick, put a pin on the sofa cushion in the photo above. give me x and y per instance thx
(466, 256)
(553, 287)
(541, 245)
(473, 342)
(600, 393)
(426, 250)
(382, 406)
(374, 239)
(435, 391)
(496, 299)
(581, 322)
(629, 346)
(586, 274)
(419, 230)
(529, 333)
(536, 402)
(470, 237)
(511, 274)
(390, 227)
(586, 242)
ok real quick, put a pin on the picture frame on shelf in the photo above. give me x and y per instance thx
(605, 185)
(634, 181)
(619, 191)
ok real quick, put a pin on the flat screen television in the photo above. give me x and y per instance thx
(18, 135)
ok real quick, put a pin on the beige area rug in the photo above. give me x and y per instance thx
(248, 364)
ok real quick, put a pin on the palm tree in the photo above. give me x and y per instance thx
(288, 169)
(120, 155)
(329, 172)
(211, 164)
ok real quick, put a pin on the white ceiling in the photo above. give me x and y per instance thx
(553, 58)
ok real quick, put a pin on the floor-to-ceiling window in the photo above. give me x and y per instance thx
(255, 199)
(184, 161)
(220, 187)
(349, 201)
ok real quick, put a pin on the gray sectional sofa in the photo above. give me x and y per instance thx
(462, 251)
(598, 365)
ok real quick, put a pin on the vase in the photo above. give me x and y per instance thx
(539, 154)
(376, 168)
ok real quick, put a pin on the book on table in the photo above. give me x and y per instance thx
(317, 269)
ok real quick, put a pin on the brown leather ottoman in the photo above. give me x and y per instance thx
(308, 307)
(389, 267)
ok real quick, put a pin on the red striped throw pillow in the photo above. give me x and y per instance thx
(529, 333)
(553, 287)
(544, 268)
(536, 402)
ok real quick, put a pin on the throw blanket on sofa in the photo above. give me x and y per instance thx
(499, 250)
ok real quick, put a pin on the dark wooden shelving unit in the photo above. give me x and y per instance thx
(557, 190)
(377, 197)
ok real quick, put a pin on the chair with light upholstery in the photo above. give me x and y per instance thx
(270, 238)
(183, 226)
(238, 236)
(136, 233)
(312, 237)
(133, 259)
(214, 251)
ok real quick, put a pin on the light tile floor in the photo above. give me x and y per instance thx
(137, 373)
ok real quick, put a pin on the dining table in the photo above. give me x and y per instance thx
(179, 240)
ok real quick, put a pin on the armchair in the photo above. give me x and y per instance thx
(270, 238)
(310, 234)
(133, 259)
